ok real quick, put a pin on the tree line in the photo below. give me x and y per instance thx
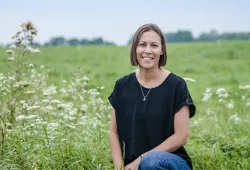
(57, 41)
(213, 35)
(178, 36)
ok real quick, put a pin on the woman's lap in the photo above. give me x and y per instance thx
(159, 160)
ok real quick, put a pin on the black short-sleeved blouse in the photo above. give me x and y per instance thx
(142, 125)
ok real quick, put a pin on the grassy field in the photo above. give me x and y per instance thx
(219, 139)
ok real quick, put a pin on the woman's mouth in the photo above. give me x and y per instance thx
(148, 58)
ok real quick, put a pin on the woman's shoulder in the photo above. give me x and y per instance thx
(124, 80)
(176, 79)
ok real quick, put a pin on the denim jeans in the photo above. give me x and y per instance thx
(162, 160)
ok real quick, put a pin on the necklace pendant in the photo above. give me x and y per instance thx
(144, 99)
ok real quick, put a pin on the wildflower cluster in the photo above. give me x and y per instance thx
(22, 42)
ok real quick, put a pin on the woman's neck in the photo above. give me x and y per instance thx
(147, 75)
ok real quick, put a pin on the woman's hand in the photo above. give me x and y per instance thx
(133, 165)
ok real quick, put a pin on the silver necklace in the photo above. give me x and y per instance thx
(144, 97)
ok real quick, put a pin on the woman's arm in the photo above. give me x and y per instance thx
(181, 132)
(114, 143)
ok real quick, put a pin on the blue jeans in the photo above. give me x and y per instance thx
(162, 160)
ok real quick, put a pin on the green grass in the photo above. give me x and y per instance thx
(216, 141)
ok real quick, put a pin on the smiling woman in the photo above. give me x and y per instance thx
(149, 50)
(151, 109)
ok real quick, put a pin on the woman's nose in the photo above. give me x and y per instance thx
(148, 49)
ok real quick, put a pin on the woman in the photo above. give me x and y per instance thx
(151, 109)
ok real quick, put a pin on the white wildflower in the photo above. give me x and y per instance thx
(93, 92)
(189, 79)
(45, 101)
(33, 107)
(64, 106)
(29, 92)
(55, 102)
(81, 98)
(85, 78)
(221, 92)
(11, 78)
(243, 97)
(25, 42)
(235, 118)
(12, 47)
(222, 101)
(25, 105)
(248, 103)
(42, 66)
(36, 51)
(2, 77)
(10, 52)
(51, 137)
(31, 65)
(230, 105)
(63, 91)
(22, 101)
(196, 123)
(50, 90)
(48, 108)
(244, 87)
(207, 95)
(28, 49)
(53, 125)
(27, 26)
(11, 59)
(31, 116)
(83, 120)
(84, 107)
(68, 117)
(208, 111)
(20, 117)
(73, 111)
(102, 87)
(208, 90)
(71, 126)
(24, 28)
(22, 83)
(64, 81)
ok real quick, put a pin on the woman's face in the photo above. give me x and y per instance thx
(149, 50)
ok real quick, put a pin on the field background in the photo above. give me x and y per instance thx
(218, 143)
(222, 64)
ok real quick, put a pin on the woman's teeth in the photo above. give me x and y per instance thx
(147, 58)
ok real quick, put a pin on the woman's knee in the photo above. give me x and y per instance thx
(162, 160)
(151, 161)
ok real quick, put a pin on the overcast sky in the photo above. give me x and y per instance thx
(116, 20)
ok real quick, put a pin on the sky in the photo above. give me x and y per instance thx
(116, 21)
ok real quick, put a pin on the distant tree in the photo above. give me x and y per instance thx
(213, 35)
(74, 41)
(36, 44)
(56, 41)
(97, 41)
(235, 36)
(84, 41)
(179, 36)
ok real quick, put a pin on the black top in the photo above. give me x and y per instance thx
(142, 125)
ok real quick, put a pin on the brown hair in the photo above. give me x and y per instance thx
(136, 38)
